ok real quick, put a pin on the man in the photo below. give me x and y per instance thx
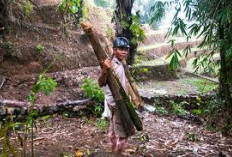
(117, 134)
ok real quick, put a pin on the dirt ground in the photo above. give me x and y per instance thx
(162, 136)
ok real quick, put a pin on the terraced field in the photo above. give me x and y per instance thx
(152, 72)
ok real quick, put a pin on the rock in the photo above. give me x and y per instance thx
(149, 108)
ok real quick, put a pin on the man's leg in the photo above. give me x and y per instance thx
(121, 144)
(112, 136)
(113, 140)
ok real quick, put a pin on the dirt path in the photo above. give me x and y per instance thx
(164, 136)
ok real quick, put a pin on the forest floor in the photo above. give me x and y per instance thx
(162, 136)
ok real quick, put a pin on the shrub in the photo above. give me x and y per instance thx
(26, 7)
(178, 108)
(92, 90)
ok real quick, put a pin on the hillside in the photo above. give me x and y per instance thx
(69, 52)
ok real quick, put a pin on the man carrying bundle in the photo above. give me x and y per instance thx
(117, 135)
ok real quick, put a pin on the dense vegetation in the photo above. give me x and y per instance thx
(210, 20)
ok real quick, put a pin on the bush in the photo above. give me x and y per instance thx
(92, 90)
(26, 7)
(161, 110)
(178, 108)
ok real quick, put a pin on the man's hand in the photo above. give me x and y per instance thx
(106, 65)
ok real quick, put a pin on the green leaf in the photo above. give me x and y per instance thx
(174, 63)
(73, 9)
(92, 90)
(197, 111)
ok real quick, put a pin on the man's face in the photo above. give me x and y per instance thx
(121, 52)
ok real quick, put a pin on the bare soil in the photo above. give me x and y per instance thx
(163, 136)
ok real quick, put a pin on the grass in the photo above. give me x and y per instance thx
(153, 46)
(152, 62)
(182, 92)
(149, 47)
(202, 85)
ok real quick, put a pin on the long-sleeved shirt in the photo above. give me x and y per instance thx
(120, 72)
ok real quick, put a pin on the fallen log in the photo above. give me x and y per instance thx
(19, 107)
(17, 104)
(128, 115)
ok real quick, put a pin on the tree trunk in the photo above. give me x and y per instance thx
(127, 112)
(5, 15)
(224, 87)
(123, 21)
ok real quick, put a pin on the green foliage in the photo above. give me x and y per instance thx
(92, 90)
(197, 111)
(145, 70)
(178, 108)
(202, 85)
(214, 113)
(207, 63)
(143, 136)
(26, 7)
(137, 31)
(161, 110)
(39, 48)
(98, 109)
(8, 45)
(102, 124)
(88, 153)
(174, 63)
(157, 11)
(9, 49)
(44, 84)
(203, 26)
(109, 32)
(140, 57)
(5, 127)
(66, 154)
(85, 11)
(73, 6)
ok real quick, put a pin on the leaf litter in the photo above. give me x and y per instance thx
(162, 136)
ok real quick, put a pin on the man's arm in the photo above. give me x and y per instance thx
(103, 77)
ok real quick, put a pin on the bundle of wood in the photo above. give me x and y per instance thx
(128, 115)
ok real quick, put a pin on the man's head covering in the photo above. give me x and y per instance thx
(121, 42)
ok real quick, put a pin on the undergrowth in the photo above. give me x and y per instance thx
(92, 91)
(25, 128)
(202, 85)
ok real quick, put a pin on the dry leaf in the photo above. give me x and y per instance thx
(78, 154)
